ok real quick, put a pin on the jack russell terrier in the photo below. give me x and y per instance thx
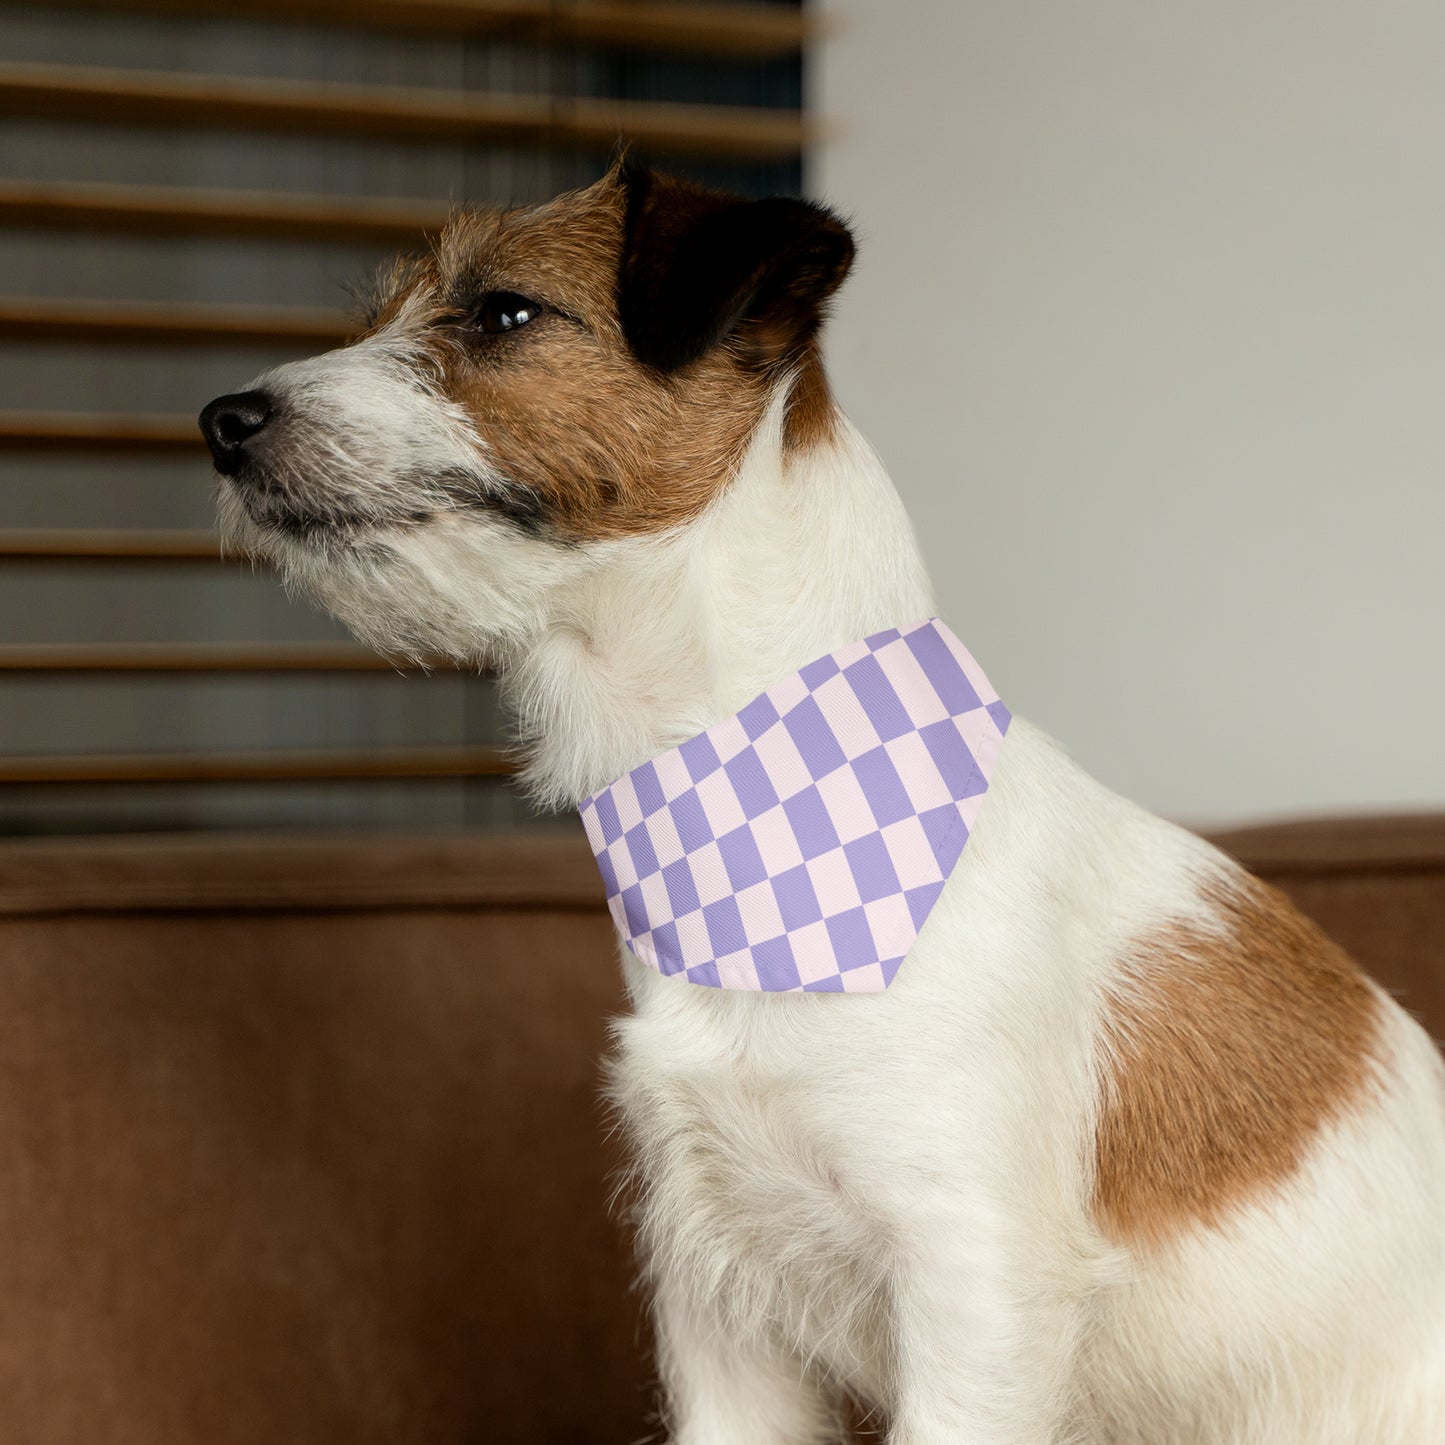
(956, 1085)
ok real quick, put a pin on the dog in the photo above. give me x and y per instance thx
(1127, 1153)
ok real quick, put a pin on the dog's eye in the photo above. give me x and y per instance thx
(504, 311)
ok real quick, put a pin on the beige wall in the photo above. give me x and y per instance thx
(1149, 323)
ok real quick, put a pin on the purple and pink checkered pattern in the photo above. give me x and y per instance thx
(801, 843)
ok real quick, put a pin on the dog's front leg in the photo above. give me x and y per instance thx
(985, 1349)
(722, 1389)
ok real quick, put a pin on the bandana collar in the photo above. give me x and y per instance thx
(800, 844)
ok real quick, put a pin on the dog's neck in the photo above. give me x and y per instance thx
(803, 553)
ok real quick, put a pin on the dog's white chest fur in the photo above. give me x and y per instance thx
(760, 1202)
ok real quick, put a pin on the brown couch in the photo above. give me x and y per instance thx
(301, 1138)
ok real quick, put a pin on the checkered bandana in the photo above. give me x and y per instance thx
(801, 843)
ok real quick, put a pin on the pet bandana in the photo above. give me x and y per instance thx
(801, 843)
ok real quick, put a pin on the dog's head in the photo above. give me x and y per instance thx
(546, 384)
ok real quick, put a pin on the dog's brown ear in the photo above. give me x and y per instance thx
(699, 266)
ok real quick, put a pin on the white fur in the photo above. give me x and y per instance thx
(891, 1194)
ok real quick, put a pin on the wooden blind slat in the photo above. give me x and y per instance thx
(76, 544)
(709, 29)
(175, 210)
(216, 102)
(202, 657)
(259, 767)
(170, 323)
(550, 868)
(756, 32)
(98, 432)
(78, 431)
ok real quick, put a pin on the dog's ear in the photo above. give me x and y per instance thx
(699, 266)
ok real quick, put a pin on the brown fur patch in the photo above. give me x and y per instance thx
(609, 447)
(1226, 1053)
(605, 445)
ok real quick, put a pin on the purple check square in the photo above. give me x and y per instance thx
(681, 888)
(636, 911)
(920, 901)
(705, 973)
(1001, 716)
(817, 673)
(946, 834)
(942, 670)
(832, 984)
(725, 929)
(668, 948)
(750, 783)
(700, 757)
(639, 844)
(777, 969)
(871, 867)
(882, 639)
(813, 738)
(952, 758)
(609, 873)
(882, 787)
(877, 698)
(852, 939)
(758, 716)
(690, 818)
(812, 826)
(649, 790)
(797, 901)
(741, 858)
(607, 817)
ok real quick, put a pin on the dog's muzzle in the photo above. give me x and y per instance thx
(230, 422)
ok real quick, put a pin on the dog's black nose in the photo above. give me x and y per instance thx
(229, 422)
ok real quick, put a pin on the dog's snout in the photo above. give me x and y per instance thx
(229, 422)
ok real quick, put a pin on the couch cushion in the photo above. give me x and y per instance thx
(303, 1140)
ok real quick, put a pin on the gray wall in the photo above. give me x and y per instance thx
(1149, 324)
